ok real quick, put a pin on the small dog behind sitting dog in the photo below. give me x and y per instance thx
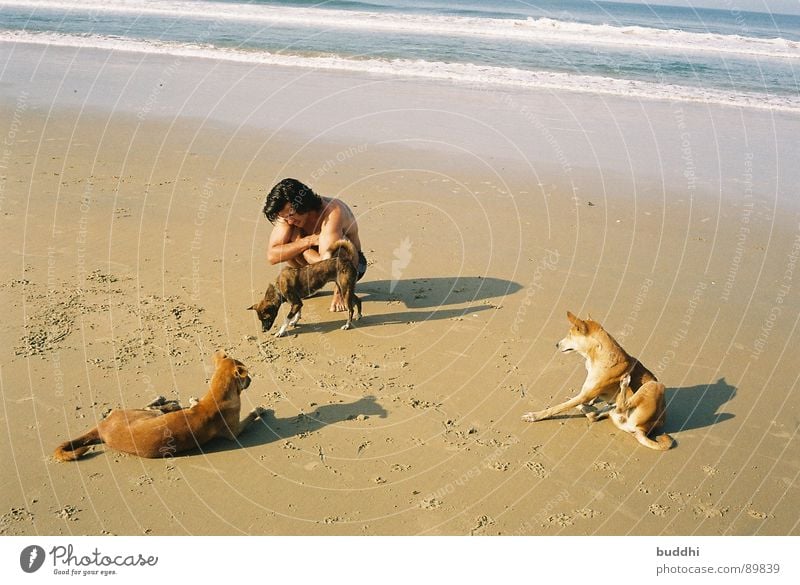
(293, 284)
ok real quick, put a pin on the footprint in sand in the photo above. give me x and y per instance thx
(537, 468)
(482, 522)
(430, 504)
(658, 510)
(756, 515)
(561, 519)
(708, 510)
(68, 513)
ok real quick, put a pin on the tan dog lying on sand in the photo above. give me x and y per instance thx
(167, 429)
(618, 379)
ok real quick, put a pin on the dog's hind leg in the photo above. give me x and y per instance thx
(351, 300)
(599, 413)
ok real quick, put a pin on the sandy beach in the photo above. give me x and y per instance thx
(133, 242)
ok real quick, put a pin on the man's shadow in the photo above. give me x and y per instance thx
(269, 428)
(434, 292)
(428, 298)
(697, 407)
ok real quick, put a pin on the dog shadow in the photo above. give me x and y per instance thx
(269, 428)
(697, 407)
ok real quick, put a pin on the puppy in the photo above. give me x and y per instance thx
(618, 379)
(295, 283)
(165, 429)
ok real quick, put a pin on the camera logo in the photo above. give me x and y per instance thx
(31, 558)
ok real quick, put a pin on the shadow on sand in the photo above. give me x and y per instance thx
(697, 407)
(269, 428)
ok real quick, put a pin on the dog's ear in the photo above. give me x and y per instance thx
(577, 323)
(219, 355)
(241, 371)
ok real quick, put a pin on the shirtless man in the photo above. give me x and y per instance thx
(306, 225)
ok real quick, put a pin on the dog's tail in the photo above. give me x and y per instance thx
(74, 449)
(662, 442)
(344, 250)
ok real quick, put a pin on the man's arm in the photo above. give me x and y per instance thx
(284, 243)
(332, 230)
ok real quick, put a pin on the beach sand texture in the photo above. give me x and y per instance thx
(133, 242)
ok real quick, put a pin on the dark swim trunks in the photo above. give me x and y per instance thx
(362, 265)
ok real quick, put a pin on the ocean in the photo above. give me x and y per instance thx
(717, 56)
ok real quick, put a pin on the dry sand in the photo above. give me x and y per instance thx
(132, 248)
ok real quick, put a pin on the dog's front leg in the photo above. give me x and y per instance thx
(550, 412)
(257, 413)
(291, 318)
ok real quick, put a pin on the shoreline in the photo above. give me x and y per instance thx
(134, 246)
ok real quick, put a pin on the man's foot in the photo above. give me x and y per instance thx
(337, 304)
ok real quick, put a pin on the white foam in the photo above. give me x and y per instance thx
(466, 74)
(541, 30)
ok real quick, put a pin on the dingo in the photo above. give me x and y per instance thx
(166, 429)
(295, 283)
(618, 379)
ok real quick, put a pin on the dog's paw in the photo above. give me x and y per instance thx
(157, 401)
(346, 326)
(530, 417)
(280, 334)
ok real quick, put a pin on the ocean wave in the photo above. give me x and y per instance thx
(460, 73)
(534, 30)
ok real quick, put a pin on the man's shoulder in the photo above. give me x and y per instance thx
(334, 208)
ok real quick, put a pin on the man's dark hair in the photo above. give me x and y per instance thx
(301, 197)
